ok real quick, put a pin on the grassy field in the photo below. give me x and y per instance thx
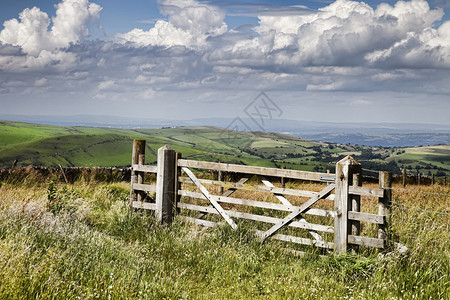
(44, 145)
(79, 241)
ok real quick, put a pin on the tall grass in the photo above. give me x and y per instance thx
(91, 247)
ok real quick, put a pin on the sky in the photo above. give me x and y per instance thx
(317, 60)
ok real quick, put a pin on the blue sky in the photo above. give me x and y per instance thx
(343, 61)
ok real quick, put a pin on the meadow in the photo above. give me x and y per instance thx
(50, 146)
(72, 241)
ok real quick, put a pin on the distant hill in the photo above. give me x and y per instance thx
(368, 134)
(48, 145)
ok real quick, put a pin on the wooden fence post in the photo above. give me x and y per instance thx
(140, 176)
(404, 177)
(384, 204)
(418, 178)
(220, 178)
(432, 179)
(177, 183)
(166, 185)
(356, 200)
(137, 155)
(343, 202)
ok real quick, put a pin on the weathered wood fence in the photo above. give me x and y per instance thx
(336, 207)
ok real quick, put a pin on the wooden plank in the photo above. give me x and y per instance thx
(298, 240)
(144, 205)
(355, 205)
(227, 193)
(143, 187)
(165, 185)
(259, 188)
(231, 190)
(343, 202)
(366, 191)
(283, 200)
(208, 196)
(199, 221)
(277, 195)
(366, 241)
(145, 168)
(298, 211)
(294, 174)
(259, 218)
(268, 205)
(138, 149)
(178, 185)
(291, 192)
(384, 203)
(366, 217)
(281, 237)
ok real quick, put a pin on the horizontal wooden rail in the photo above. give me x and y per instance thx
(281, 237)
(248, 216)
(260, 204)
(298, 240)
(286, 173)
(143, 187)
(145, 168)
(144, 205)
(365, 217)
(199, 221)
(366, 241)
(259, 188)
(365, 191)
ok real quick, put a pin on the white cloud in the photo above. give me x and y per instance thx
(41, 82)
(347, 33)
(190, 24)
(147, 93)
(41, 45)
(105, 85)
(324, 87)
(346, 46)
(70, 22)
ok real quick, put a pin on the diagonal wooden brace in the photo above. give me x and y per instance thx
(209, 197)
(323, 193)
(226, 193)
(285, 201)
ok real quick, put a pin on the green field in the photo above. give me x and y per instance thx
(79, 241)
(44, 145)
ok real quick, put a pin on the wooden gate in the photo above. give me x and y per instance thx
(329, 218)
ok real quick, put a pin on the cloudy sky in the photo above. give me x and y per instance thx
(318, 60)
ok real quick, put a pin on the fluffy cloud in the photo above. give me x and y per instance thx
(70, 22)
(190, 24)
(347, 33)
(346, 46)
(42, 46)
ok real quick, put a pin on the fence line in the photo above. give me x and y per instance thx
(344, 188)
(406, 207)
(417, 191)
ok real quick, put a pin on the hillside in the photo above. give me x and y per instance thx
(47, 145)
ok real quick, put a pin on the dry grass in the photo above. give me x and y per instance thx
(93, 248)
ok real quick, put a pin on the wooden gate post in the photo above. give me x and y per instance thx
(343, 202)
(356, 200)
(384, 204)
(166, 185)
(404, 177)
(220, 178)
(137, 157)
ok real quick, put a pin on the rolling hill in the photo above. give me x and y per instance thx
(46, 145)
